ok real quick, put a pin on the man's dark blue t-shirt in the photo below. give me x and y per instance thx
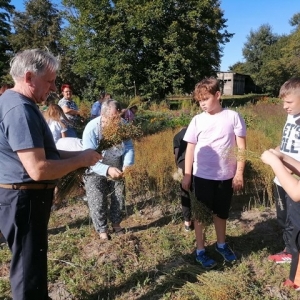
(22, 126)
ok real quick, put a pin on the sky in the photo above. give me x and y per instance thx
(242, 17)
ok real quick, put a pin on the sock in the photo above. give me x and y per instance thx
(199, 252)
(221, 245)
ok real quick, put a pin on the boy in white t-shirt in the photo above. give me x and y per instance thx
(285, 163)
(216, 175)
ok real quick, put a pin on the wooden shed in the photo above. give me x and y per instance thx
(232, 83)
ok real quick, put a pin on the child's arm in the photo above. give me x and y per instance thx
(292, 165)
(278, 150)
(238, 179)
(289, 183)
(188, 166)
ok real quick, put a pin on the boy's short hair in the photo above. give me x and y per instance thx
(209, 85)
(292, 86)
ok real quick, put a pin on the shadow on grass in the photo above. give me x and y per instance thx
(157, 223)
(76, 224)
(265, 235)
(174, 272)
(130, 210)
(165, 277)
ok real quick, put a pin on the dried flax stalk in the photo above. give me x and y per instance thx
(113, 134)
(200, 212)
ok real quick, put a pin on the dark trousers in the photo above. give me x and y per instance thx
(283, 210)
(185, 204)
(24, 216)
(295, 265)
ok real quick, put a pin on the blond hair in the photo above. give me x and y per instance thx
(55, 113)
(292, 86)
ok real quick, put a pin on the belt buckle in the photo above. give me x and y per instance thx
(14, 186)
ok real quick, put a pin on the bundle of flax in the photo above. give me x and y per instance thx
(200, 212)
(113, 134)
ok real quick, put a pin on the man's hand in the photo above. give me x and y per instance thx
(89, 157)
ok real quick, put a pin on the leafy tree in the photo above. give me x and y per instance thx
(157, 47)
(271, 59)
(291, 54)
(238, 67)
(279, 62)
(295, 20)
(39, 26)
(6, 10)
(274, 71)
(253, 51)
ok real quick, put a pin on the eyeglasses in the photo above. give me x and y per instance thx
(67, 91)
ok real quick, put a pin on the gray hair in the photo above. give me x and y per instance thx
(107, 105)
(33, 60)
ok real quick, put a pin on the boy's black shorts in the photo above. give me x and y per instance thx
(215, 194)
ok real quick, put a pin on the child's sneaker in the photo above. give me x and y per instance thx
(291, 284)
(189, 227)
(205, 261)
(281, 258)
(226, 252)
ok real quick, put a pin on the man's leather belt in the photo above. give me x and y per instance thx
(28, 186)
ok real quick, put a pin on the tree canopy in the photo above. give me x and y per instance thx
(271, 59)
(39, 26)
(6, 10)
(158, 46)
(147, 48)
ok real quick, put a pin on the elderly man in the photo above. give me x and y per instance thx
(30, 165)
(97, 184)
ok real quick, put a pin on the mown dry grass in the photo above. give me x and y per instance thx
(155, 258)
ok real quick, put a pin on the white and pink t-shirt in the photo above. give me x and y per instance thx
(57, 129)
(215, 139)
